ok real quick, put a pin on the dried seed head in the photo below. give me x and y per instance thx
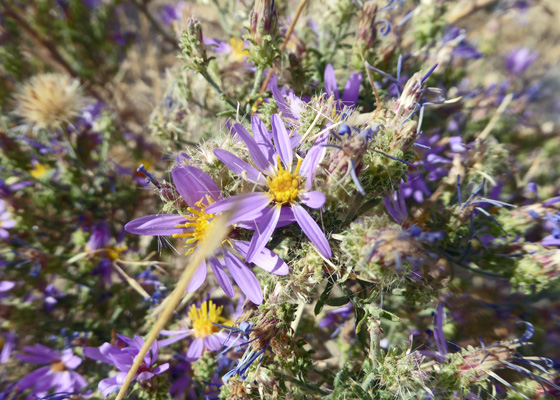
(48, 100)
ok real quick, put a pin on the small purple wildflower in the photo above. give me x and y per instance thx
(6, 221)
(7, 344)
(205, 320)
(59, 374)
(200, 192)
(518, 60)
(287, 186)
(351, 90)
(123, 358)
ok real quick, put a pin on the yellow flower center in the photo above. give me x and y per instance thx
(58, 366)
(39, 171)
(114, 252)
(237, 50)
(203, 317)
(199, 221)
(284, 186)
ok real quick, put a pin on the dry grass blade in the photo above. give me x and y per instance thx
(216, 234)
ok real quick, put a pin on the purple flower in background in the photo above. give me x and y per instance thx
(337, 316)
(416, 187)
(396, 206)
(351, 90)
(286, 186)
(123, 358)
(518, 60)
(7, 344)
(200, 192)
(59, 374)
(6, 221)
(168, 13)
(554, 238)
(100, 236)
(205, 331)
(6, 286)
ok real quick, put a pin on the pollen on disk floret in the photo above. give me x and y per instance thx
(284, 186)
(197, 225)
(204, 318)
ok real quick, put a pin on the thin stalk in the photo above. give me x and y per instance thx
(218, 90)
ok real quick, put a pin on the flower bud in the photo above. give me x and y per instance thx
(262, 20)
(366, 27)
(192, 46)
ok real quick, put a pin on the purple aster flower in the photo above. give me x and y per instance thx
(396, 206)
(416, 187)
(287, 186)
(518, 60)
(6, 221)
(199, 192)
(168, 13)
(7, 344)
(336, 316)
(123, 357)
(351, 90)
(100, 236)
(59, 374)
(205, 331)
(6, 286)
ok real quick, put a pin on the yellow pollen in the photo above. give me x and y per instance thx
(198, 223)
(39, 171)
(203, 317)
(114, 252)
(58, 366)
(238, 50)
(284, 186)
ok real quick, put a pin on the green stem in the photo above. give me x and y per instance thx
(215, 86)
(257, 83)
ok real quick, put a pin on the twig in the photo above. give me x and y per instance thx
(496, 117)
(215, 236)
(51, 48)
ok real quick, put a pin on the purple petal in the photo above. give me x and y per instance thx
(244, 277)
(313, 158)
(264, 230)
(156, 225)
(262, 137)
(282, 141)
(194, 184)
(198, 277)
(239, 166)
(195, 349)
(221, 277)
(212, 343)
(6, 285)
(256, 154)
(313, 199)
(245, 206)
(161, 368)
(286, 218)
(280, 100)
(107, 386)
(352, 90)
(10, 223)
(70, 360)
(330, 82)
(174, 339)
(312, 230)
(266, 259)
(31, 379)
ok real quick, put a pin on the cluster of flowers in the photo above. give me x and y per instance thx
(354, 216)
